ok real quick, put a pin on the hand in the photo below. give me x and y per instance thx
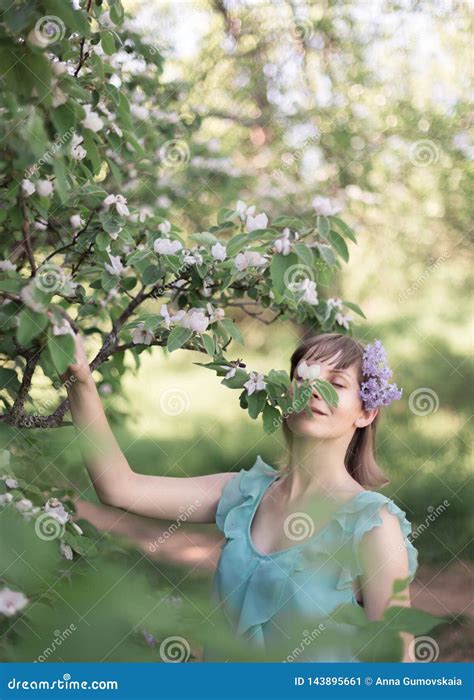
(80, 369)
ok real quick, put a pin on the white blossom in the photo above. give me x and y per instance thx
(63, 329)
(77, 528)
(243, 210)
(308, 288)
(5, 498)
(10, 481)
(283, 244)
(59, 97)
(325, 206)
(343, 320)
(120, 203)
(76, 221)
(193, 258)
(306, 371)
(219, 251)
(56, 510)
(44, 188)
(255, 222)
(7, 266)
(255, 383)
(196, 320)
(334, 303)
(141, 335)
(215, 314)
(92, 120)
(27, 187)
(11, 602)
(165, 246)
(65, 550)
(23, 504)
(249, 258)
(164, 227)
(206, 289)
(231, 373)
(116, 267)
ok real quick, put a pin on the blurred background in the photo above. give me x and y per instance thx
(366, 103)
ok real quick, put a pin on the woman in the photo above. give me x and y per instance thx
(351, 542)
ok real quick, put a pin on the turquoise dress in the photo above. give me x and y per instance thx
(261, 596)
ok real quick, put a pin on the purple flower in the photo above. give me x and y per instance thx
(375, 391)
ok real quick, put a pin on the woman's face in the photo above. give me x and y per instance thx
(330, 422)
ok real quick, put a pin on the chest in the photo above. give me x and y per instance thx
(273, 528)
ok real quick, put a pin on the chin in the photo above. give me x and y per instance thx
(306, 427)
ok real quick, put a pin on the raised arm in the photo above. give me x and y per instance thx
(115, 483)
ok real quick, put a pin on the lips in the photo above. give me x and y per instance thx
(317, 412)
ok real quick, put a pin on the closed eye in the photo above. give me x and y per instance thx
(341, 385)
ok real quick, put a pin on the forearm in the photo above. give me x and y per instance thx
(104, 460)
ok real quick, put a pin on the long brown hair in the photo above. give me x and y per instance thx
(360, 459)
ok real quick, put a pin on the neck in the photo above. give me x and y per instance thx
(317, 467)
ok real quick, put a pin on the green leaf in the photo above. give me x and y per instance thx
(232, 330)
(339, 244)
(63, 118)
(354, 307)
(279, 377)
(304, 253)
(289, 221)
(412, 620)
(237, 381)
(107, 41)
(272, 419)
(344, 228)
(62, 351)
(30, 326)
(152, 274)
(236, 244)
(178, 337)
(327, 391)
(323, 225)
(327, 254)
(8, 378)
(61, 183)
(279, 266)
(208, 342)
(92, 151)
(256, 402)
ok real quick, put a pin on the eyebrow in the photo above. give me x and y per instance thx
(339, 371)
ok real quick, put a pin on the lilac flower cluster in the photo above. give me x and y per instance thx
(376, 391)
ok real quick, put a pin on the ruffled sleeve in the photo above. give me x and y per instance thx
(362, 517)
(242, 490)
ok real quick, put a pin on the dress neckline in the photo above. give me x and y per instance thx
(279, 552)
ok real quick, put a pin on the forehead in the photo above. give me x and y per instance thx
(329, 363)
